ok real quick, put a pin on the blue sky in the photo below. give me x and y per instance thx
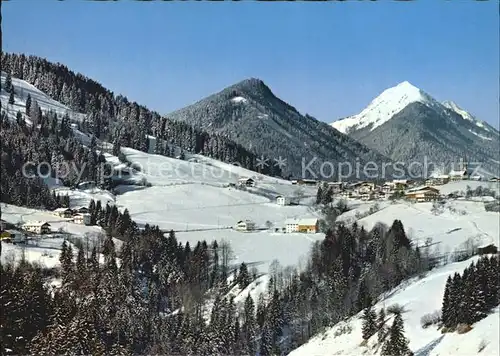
(326, 59)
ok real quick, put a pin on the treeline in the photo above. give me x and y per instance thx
(47, 147)
(118, 120)
(468, 297)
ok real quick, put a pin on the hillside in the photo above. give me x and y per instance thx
(113, 118)
(406, 124)
(419, 296)
(249, 113)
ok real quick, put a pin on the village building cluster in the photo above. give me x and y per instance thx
(79, 215)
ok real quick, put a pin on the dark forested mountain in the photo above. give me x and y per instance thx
(406, 124)
(118, 120)
(250, 114)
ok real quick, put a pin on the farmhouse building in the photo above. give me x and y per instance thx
(423, 194)
(438, 180)
(458, 175)
(337, 187)
(245, 225)
(37, 227)
(282, 200)
(307, 225)
(63, 212)
(82, 219)
(80, 210)
(247, 182)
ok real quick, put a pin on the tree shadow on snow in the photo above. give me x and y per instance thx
(426, 350)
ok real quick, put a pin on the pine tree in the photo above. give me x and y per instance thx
(364, 299)
(479, 284)
(243, 276)
(11, 98)
(8, 83)
(158, 146)
(382, 329)
(249, 326)
(319, 195)
(66, 260)
(396, 344)
(369, 327)
(28, 104)
(446, 316)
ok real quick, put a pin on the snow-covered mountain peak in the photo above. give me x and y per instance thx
(385, 106)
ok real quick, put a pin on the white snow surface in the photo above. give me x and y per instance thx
(460, 221)
(21, 91)
(194, 198)
(239, 99)
(418, 297)
(384, 107)
(465, 114)
(481, 136)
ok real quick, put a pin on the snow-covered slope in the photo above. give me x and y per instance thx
(458, 222)
(21, 91)
(468, 116)
(418, 297)
(384, 107)
(195, 198)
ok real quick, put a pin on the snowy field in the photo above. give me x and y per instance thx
(459, 221)
(195, 195)
(461, 186)
(419, 297)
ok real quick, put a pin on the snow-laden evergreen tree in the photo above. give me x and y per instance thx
(446, 309)
(243, 276)
(11, 98)
(381, 326)
(8, 83)
(249, 327)
(369, 327)
(396, 344)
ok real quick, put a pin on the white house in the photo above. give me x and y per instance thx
(63, 212)
(245, 225)
(37, 227)
(291, 225)
(282, 200)
(308, 225)
(82, 219)
(458, 175)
